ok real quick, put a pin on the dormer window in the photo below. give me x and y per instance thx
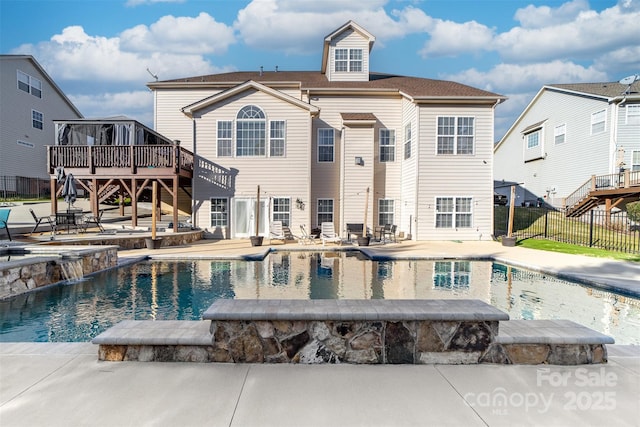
(348, 60)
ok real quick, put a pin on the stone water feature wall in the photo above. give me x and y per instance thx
(46, 267)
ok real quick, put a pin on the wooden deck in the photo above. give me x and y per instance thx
(106, 171)
(610, 190)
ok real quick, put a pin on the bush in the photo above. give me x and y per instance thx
(633, 211)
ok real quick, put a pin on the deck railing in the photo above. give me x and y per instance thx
(120, 156)
(624, 179)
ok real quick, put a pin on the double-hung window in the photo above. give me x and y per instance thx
(560, 133)
(633, 114)
(251, 129)
(454, 212)
(385, 211)
(407, 141)
(325, 145)
(277, 138)
(455, 135)
(325, 211)
(348, 60)
(282, 210)
(37, 119)
(225, 138)
(635, 161)
(219, 212)
(387, 145)
(29, 84)
(598, 122)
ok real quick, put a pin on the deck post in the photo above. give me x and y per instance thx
(134, 203)
(175, 202)
(54, 196)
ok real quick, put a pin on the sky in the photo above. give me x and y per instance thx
(102, 53)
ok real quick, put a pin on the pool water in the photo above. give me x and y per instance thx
(183, 290)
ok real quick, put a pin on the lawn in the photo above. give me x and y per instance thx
(551, 246)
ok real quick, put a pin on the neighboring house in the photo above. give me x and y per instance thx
(566, 134)
(31, 100)
(340, 145)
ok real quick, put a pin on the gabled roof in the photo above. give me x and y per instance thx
(348, 26)
(605, 91)
(415, 88)
(203, 103)
(44, 74)
(358, 119)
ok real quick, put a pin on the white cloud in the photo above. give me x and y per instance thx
(136, 104)
(590, 34)
(450, 38)
(267, 24)
(514, 78)
(545, 16)
(199, 35)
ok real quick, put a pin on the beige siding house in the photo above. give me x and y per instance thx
(323, 145)
(31, 100)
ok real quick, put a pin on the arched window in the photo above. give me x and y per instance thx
(251, 132)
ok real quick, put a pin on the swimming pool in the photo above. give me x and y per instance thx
(183, 290)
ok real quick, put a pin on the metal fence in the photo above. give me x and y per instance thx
(22, 187)
(596, 228)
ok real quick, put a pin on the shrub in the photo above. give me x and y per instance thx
(633, 211)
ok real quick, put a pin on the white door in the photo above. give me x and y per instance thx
(244, 217)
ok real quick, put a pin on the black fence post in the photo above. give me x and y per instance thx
(546, 223)
(591, 230)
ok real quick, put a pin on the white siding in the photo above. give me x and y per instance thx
(357, 141)
(628, 137)
(455, 175)
(564, 167)
(406, 206)
(349, 39)
(28, 159)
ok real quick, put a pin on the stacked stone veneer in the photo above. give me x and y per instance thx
(352, 331)
(134, 241)
(26, 274)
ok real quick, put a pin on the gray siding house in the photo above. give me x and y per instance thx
(566, 134)
(31, 100)
(342, 144)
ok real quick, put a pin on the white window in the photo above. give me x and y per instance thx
(533, 139)
(219, 212)
(635, 161)
(560, 134)
(251, 128)
(277, 138)
(455, 135)
(225, 138)
(348, 60)
(325, 145)
(29, 84)
(454, 212)
(385, 211)
(282, 210)
(633, 114)
(407, 141)
(37, 119)
(325, 211)
(387, 145)
(598, 122)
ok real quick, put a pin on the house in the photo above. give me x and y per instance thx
(31, 100)
(343, 144)
(568, 134)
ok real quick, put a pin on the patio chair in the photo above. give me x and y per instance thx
(42, 220)
(328, 234)
(390, 232)
(306, 239)
(275, 231)
(92, 219)
(4, 220)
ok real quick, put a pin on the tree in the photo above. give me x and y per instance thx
(633, 211)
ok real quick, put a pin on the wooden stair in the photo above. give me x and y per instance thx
(610, 190)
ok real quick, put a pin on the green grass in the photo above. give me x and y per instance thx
(551, 246)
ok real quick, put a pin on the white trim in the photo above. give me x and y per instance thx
(453, 213)
(455, 135)
(318, 146)
(556, 133)
(636, 114)
(333, 210)
(603, 121)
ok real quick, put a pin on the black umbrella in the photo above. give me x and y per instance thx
(69, 190)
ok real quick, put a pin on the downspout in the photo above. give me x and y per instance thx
(342, 175)
(194, 217)
(613, 138)
(416, 206)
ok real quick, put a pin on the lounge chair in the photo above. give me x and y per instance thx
(306, 239)
(42, 220)
(390, 231)
(276, 232)
(4, 220)
(328, 234)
